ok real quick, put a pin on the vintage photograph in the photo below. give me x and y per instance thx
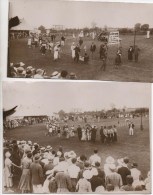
(61, 137)
(80, 40)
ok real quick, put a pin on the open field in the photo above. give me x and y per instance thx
(136, 147)
(129, 71)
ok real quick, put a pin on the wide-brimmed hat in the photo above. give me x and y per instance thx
(55, 73)
(134, 165)
(39, 71)
(29, 67)
(72, 154)
(20, 70)
(29, 142)
(87, 174)
(48, 147)
(120, 161)
(110, 160)
(59, 154)
(112, 167)
(22, 64)
(37, 158)
(50, 158)
(49, 172)
(42, 149)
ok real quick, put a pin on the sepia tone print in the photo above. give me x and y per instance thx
(80, 40)
(76, 137)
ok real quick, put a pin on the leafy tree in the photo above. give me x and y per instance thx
(145, 27)
(137, 26)
(61, 113)
(42, 28)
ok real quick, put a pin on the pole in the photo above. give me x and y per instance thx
(134, 37)
(141, 125)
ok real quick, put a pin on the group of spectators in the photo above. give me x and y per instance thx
(18, 70)
(18, 35)
(29, 167)
(13, 123)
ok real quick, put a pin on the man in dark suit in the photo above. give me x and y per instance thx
(79, 130)
(92, 48)
(77, 51)
(102, 136)
(93, 134)
(124, 170)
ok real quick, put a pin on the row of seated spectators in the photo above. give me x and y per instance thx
(29, 167)
(18, 70)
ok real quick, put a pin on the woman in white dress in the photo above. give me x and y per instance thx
(8, 182)
(29, 42)
(84, 134)
(56, 52)
(73, 50)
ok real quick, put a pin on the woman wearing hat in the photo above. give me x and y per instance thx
(109, 161)
(73, 50)
(8, 182)
(83, 184)
(56, 51)
(25, 180)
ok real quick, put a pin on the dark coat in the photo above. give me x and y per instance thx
(36, 173)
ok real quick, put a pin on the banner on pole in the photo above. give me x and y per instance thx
(113, 38)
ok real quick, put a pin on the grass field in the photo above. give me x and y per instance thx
(129, 71)
(136, 147)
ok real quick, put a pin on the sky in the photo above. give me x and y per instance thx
(81, 14)
(49, 97)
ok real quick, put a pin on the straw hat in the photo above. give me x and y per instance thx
(112, 167)
(55, 73)
(72, 154)
(22, 64)
(48, 147)
(59, 153)
(37, 158)
(110, 160)
(49, 172)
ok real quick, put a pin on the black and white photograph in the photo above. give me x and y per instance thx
(76, 137)
(80, 40)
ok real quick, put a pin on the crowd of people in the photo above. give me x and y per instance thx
(86, 132)
(18, 70)
(79, 53)
(29, 167)
(20, 122)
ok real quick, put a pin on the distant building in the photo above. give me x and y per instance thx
(58, 27)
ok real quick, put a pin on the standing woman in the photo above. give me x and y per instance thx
(29, 42)
(84, 134)
(84, 185)
(8, 182)
(56, 52)
(118, 58)
(25, 180)
(73, 50)
(43, 48)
